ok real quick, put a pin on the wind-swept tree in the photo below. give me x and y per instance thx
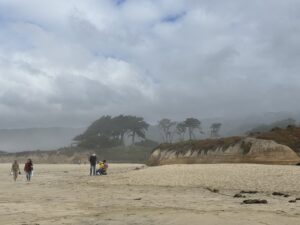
(214, 129)
(192, 124)
(165, 126)
(102, 133)
(137, 127)
(110, 131)
(101, 127)
(180, 130)
(121, 126)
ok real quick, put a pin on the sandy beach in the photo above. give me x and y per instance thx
(136, 194)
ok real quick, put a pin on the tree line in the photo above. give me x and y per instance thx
(191, 125)
(110, 131)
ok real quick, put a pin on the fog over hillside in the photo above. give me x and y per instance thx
(16, 140)
(232, 126)
(13, 140)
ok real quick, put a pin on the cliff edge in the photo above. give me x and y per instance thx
(225, 150)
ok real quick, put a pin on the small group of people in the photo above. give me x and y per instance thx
(28, 169)
(102, 166)
(101, 169)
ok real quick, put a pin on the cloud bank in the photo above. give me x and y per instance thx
(66, 63)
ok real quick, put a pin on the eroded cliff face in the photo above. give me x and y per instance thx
(247, 150)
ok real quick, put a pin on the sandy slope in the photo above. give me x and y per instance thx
(175, 194)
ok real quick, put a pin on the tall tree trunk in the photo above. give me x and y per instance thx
(133, 137)
(122, 138)
(166, 135)
(190, 133)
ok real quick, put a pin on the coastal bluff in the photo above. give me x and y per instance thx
(225, 150)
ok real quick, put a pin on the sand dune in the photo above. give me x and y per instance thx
(173, 194)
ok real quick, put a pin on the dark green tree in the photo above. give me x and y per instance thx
(165, 126)
(110, 131)
(122, 126)
(181, 130)
(215, 129)
(101, 133)
(101, 127)
(137, 127)
(192, 124)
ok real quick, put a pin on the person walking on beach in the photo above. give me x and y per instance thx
(93, 162)
(28, 168)
(15, 169)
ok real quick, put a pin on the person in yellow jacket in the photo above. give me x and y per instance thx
(102, 165)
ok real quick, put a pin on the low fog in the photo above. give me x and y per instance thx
(67, 63)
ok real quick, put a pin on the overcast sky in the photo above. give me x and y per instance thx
(66, 63)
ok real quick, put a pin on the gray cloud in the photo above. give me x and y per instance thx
(67, 63)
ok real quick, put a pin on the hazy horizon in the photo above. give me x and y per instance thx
(51, 138)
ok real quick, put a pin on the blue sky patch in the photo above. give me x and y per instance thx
(173, 17)
(119, 2)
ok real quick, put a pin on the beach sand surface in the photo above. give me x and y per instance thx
(136, 194)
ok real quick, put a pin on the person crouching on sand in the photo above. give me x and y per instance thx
(102, 168)
(15, 169)
(28, 168)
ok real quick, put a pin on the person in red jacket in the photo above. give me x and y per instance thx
(28, 168)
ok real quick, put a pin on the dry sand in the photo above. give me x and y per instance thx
(175, 194)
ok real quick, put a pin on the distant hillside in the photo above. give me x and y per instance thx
(16, 140)
(289, 136)
(267, 127)
(130, 154)
(278, 146)
(261, 122)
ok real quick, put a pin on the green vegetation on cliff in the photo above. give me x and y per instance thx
(289, 137)
(203, 145)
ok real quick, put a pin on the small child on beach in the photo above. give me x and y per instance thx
(15, 169)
